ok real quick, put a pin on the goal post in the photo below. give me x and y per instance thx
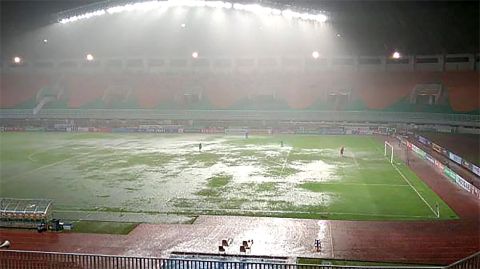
(388, 149)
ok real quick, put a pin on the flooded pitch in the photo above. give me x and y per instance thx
(166, 178)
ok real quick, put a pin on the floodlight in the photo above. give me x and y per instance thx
(195, 55)
(287, 13)
(89, 57)
(276, 12)
(17, 60)
(215, 4)
(322, 18)
(148, 5)
(238, 6)
(315, 54)
(396, 55)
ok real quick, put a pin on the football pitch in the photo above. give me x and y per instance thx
(165, 178)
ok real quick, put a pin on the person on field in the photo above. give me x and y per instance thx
(281, 143)
(200, 147)
(342, 149)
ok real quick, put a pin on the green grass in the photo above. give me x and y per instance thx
(103, 227)
(155, 174)
(219, 181)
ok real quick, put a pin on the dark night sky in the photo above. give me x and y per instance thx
(421, 27)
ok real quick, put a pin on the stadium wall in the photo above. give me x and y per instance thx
(449, 154)
(449, 173)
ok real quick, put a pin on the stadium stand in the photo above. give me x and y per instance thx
(322, 91)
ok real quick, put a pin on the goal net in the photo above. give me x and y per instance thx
(388, 151)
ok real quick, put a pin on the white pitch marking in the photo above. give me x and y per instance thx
(285, 162)
(331, 238)
(419, 195)
(362, 184)
(355, 160)
(30, 157)
(401, 174)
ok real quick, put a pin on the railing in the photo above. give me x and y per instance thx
(470, 262)
(14, 259)
(335, 116)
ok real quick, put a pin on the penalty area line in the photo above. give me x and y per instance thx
(30, 156)
(355, 160)
(331, 238)
(285, 162)
(419, 195)
(360, 184)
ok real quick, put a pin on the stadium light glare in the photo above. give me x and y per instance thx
(17, 60)
(238, 6)
(84, 16)
(186, 3)
(258, 9)
(396, 55)
(315, 54)
(116, 9)
(322, 18)
(183, 25)
(215, 4)
(89, 57)
(45, 41)
(276, 12)
(287, 13)
(195, 55)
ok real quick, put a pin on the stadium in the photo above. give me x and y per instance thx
(197, 134)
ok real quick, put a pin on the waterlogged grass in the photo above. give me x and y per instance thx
(167, 174)
(267, 187)
(209, 193)
(215, 186)
(219, 181)
(279, 171)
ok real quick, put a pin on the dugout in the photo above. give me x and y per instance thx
(24, 213)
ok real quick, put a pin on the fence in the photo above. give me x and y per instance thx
(335, 116)
(15, 259)
(470, 262)
(449, 154)
(451, 175)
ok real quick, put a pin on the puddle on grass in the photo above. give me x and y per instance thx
(312, 171)
(148, 172)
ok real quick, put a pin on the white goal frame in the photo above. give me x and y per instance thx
(385, 151)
